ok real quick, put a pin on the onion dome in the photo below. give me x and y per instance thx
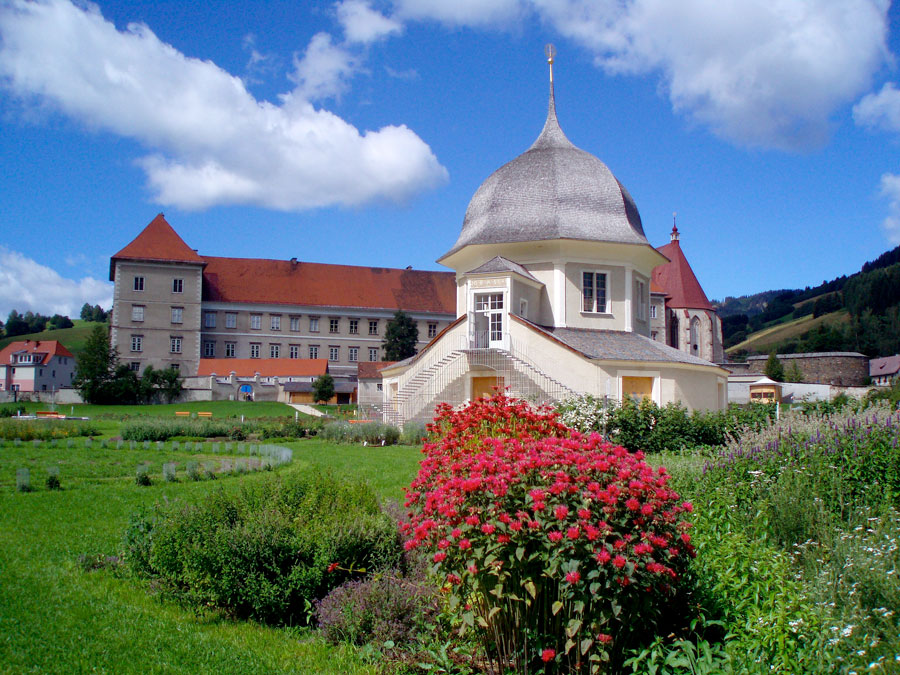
(552, 191)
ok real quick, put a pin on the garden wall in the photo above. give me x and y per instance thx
(847, 369)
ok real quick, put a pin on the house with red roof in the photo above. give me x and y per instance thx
(175, 308)
(29, 365)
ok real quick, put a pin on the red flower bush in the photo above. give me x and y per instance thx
(556, 539)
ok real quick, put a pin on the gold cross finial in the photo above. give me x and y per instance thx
(550, 52)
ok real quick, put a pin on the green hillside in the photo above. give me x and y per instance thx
(73, 338)
(769, 338)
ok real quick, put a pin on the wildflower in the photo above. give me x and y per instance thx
(603, 556)
(332, 567)
(605, 638)
(443, 543)
(561, 512)
(548, 655)
(618, 562)
(464, 544)
(632, 504)
(555, 536)
(440, 556)
(573, 577)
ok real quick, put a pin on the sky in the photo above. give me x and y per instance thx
(356, 132)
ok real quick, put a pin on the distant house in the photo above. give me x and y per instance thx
(29, 365)
(257, 379)
(885, 370)
(369, 383)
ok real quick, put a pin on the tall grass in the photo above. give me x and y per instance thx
(820, 494)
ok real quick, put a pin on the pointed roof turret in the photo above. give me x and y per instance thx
(157, 242)
(553, 190)
(678, 279)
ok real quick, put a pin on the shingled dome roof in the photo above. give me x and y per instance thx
(552, 191)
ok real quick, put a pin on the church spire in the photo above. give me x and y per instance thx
(674, 227)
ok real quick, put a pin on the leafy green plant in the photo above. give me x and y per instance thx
(23, 480)
(267, 550)
(142, 475)
(53, 478)
(559, 551)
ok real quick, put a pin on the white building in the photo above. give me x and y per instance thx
(553, 296)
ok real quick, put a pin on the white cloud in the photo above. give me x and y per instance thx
(27, 285)
(881, 110)
(757, 72)
(363, 24)
(211, 142)
(324, 70)
(890, 188)
(765, 73)
(462, 12)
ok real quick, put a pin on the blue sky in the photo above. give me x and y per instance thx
(356, 132)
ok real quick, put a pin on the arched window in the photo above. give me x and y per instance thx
(673, 331)
(695, 336)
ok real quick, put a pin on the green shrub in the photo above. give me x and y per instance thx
(369, 433)
(142, 475)
(44, 430)
(12, 410)
(414, 433)
(265, 552)
(23, 480)
(53, 478)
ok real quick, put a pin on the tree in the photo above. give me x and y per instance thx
(15, 324)
(160, 385)
(86, 310)
(774, 370)
(95, 368)
(97, 314)
(793, 373)
(400, 338)
(57, 322)
(323, 388)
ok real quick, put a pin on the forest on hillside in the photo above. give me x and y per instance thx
(870, 297)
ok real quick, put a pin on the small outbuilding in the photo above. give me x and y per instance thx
(765, 390)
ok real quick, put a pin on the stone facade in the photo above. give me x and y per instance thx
(845, 369)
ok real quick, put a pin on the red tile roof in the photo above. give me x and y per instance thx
(288, 282)
(369, 369)
(678, 280)
(265, 367)
(157, 241)
(49, 348)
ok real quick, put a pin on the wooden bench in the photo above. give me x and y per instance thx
(182, 413)
(49, 414)
(204, 414)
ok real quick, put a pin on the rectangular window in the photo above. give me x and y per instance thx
(209, 349)
(295, 323)
(175, 344)
(294, 351)
(314, 351)
(230, 320)
(209, 319)
(432, 330)
(641, 291)
(523, 308)
(652, 311)
(256, 321)
(137, 343)
(175, 366)
(373, 353)
(229, 350)
(137, 312)
(139, 283)
(276, 322)
(334, 353)
(373, 327)
(334, 325)
(353, 354)
(177, 285)
(313, 324)
(354, 326)
(254, 350)
(134, 366)
(593, 292)
(177, 314)
(379, 386)
(274, 351)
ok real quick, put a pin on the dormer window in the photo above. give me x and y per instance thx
(594, 293)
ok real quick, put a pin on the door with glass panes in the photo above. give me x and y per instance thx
(487, 321)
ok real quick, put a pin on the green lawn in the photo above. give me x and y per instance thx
(57, 618)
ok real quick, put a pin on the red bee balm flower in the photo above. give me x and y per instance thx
(548, 655)
(555, 536)
(464, 544)
(573, 577)
(561, 512)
